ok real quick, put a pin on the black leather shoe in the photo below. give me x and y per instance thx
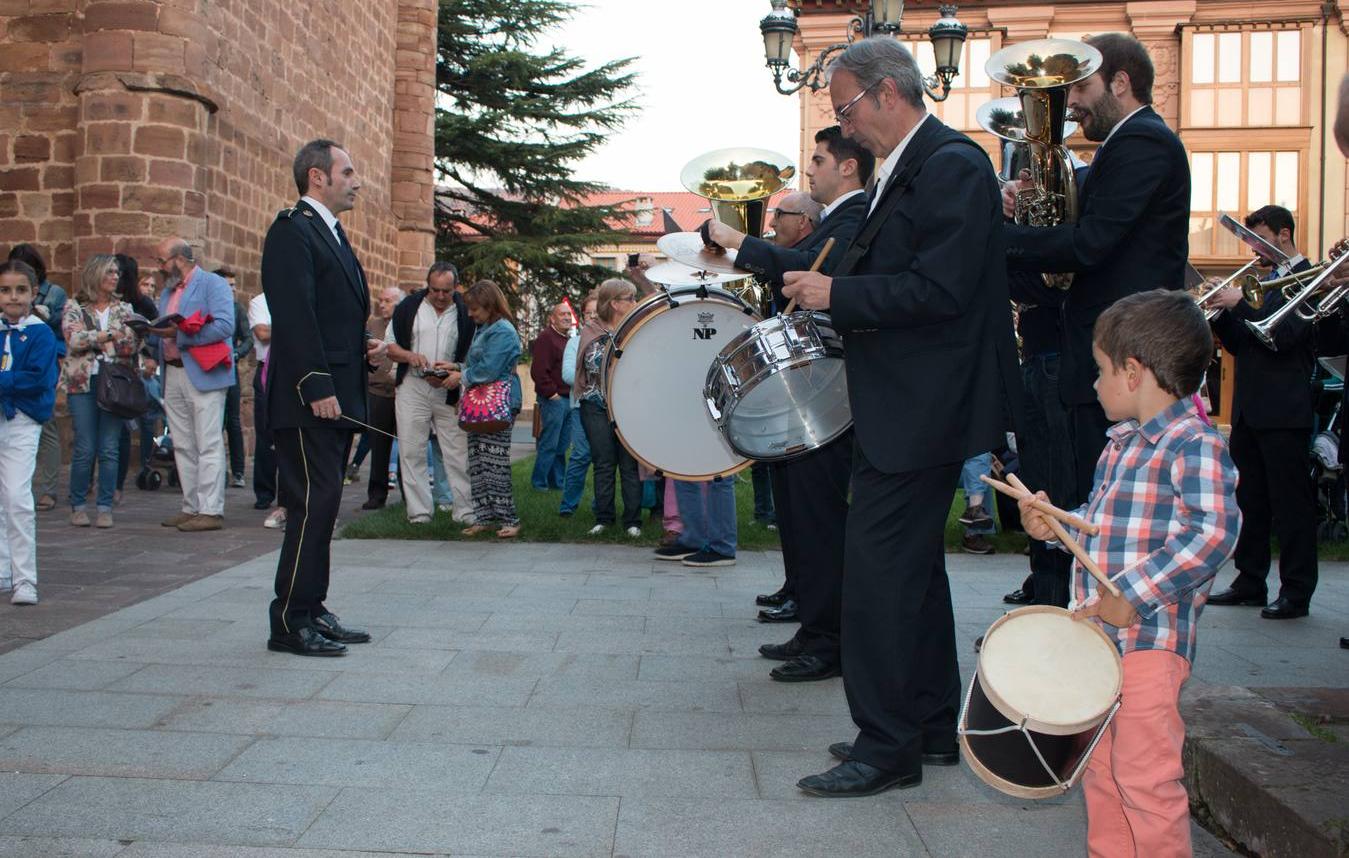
(1344, 643)
(781, 652)
(1017, 597)
(804, 668)
(374, 503)
(262, 504)
(305, 641)
(331, 628)
(1232, 596)
(784, 614)
(1283, 609)
(979, 643)
(773, 600)
(854, 779)
(843, 751)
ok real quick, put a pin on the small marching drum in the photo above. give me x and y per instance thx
(653, 380)
(779, 389)
(1045, 690)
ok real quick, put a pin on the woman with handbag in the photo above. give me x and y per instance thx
(487, 407)
(97, 336)
(615, 299)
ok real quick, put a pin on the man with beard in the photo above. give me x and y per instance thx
(1132, 231)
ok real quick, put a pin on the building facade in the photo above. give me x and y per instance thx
(124, 122)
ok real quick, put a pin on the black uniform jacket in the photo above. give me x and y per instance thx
(319, 302)
(925, 315)
(769, 262)
(1131, 235)
(1273, 388)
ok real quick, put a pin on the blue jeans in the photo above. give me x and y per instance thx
(574, 482)
(969, 481)
(550, 462)
(440, 482)
(96, 431)
(708, 511)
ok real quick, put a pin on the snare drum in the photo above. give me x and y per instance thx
(653, 380)
(1046, 688)
(779, 389)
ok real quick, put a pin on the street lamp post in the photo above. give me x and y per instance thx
(882, 17)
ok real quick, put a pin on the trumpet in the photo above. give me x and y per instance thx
(1331, 296)
(1211, 313)
(1254, 290)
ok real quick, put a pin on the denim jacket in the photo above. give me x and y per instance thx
(492, 357)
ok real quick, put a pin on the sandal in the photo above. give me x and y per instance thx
(45, 503)
(475, 529)
(508, 532)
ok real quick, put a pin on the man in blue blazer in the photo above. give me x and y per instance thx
(194, 395)
(811, 491)
(1132, 231)
(921, 300)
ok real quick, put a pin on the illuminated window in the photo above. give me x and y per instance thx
(1236, 183)
(1249, 79)
(969, 89)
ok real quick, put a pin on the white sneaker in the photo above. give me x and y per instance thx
(597, 530)
(276, 519)
(24, 594)
(445, 507)
(420, 519)
(634, 532)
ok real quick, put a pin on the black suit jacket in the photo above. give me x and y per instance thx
(319, 302)
(769, 261)
(925, 314)
(1131, 235)
(1273, 388)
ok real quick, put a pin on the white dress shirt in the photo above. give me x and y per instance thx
(833, 207)
(328, 217)
(891, 161)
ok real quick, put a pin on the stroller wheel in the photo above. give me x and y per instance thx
(142, 480)
(173, 478)
(154, 480)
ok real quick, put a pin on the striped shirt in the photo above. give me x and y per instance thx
(1165, 499)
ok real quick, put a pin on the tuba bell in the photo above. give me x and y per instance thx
(738, 183)
(1041, 72)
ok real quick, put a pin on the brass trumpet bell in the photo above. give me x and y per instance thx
(1002, 117)
(1044, 64)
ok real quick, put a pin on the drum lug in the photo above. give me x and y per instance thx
(712, 409)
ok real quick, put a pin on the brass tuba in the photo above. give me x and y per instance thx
(738, 183)
(1041, 71)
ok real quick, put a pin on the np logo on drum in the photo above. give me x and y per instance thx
(705, 331)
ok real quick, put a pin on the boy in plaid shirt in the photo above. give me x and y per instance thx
(1164, 497)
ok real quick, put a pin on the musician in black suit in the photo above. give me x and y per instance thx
(316, 386)
(921, 300)
(811, 491)
(1132, 231)
(1272, 419)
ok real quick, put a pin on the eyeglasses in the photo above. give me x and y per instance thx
(435, 291)
(841, 115)
(781, 212)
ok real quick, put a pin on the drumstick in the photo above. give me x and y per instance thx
(819, 260)
(1071, 544)
(1043, 506)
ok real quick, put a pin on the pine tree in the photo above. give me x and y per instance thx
(512, 121)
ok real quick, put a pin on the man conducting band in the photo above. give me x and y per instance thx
(316, 379)
(1132, 233)
(1272, 417)
(921, 299)
(811, 492)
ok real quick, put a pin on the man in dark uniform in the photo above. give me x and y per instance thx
(316, 385)
(921, 300)
(811, 491)
(1272, 418)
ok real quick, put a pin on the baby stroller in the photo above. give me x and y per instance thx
(160, 460)
(1326, 471)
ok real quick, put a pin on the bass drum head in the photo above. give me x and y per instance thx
(1061, 674)
(654, 381)
(794, 410)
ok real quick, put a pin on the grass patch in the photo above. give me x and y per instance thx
(541, 523)
(1314, 726)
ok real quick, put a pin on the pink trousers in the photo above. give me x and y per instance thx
(672, 523)
(1136, 800)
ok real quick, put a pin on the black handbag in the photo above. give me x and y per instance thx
(118, 389)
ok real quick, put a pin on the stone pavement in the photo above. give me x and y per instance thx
(517, 700)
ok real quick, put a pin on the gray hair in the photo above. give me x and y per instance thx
(94, 271)
(805, 203)
(874, 59)
(179, 247)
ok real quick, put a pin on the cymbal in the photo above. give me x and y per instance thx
(674, 273)
(688, 248)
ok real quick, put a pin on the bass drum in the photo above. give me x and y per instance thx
(653, 380)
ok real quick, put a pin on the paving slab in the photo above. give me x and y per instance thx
(623, 772)
(60, 847)
(41, 706)
(19, 788)
(118, 753)
(362, 762)
(511, 726)
(314, 718)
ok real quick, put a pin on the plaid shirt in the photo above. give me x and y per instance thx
(1165, 499)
